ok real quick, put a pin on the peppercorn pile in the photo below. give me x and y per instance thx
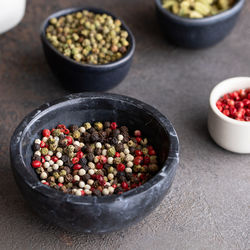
(236, 105)
(197, 8)
(88, 38)
(93, 160)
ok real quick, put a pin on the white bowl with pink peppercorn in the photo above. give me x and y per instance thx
(229, 114)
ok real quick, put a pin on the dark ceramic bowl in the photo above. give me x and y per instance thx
(197, 33)
(79, 77)
(94, 214)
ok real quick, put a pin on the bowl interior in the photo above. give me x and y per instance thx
(79, 110)
(65, 12)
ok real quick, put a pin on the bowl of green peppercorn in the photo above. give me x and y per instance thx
(197, 24)
(87, 49)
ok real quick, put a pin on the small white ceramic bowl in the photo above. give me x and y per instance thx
(11, 13)
(228, 133)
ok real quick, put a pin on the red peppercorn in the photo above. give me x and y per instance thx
(138, 160)
(42, 144)
(103, 159)
(138, 139)
(117, 154)
(114, 186)
(70, 140)
(46, 183)
(113, 125)
(247, 112)
(42, 159)
(82, 192)
(124, 185)
(36, 164)
(242, 93)
(79, 154)
(62, 126)
(152, 152)
(66, 131)
(233, 111)
(137, 133)
(239, 104)
(133, 186)
(150, 147)
(138, 152)
(60, 184)
(46, 132)
(77, 166)
(75, 160)
(54, 158)
(230, 102)
(146, 159)
(99, 165)
(120, 167)
(101, 180)
(225, 112)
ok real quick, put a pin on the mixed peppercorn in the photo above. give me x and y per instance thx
(87, 37)
(98, 159)
(236, 105)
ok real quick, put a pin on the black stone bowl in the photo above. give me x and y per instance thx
(79, 77)
(197, 33)
(94, 214)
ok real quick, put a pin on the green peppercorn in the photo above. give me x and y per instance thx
(76, 134)
(63, 172)
(56, 132)
(44, 151)
(56, 175)
(111, 152)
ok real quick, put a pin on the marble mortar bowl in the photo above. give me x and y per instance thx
(79, 77)
(94, 214)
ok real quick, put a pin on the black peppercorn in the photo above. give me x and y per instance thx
(98, 151)
(118, 190)
(115, 132)
(94, 137)
(96, 192)
(67, 169)
(36, 147)
(119, 147)
(36, 158)
(61, 136)
(92, 130)
(83, 161)
(124, 129)
(73, 128)
(86, 177)
(68, 178)
(113, 140)
(106, 124)
(132, 150)
(90, 157)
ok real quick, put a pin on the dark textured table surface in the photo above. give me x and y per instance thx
(209, 204)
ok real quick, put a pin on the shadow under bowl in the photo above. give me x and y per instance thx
(94, 214)
(79, 77)
(197, 33)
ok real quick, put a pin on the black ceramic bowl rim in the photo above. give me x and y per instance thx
(106, 66)
(19, 165)
(205, 20)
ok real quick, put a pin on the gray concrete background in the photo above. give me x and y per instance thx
(209, 204)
